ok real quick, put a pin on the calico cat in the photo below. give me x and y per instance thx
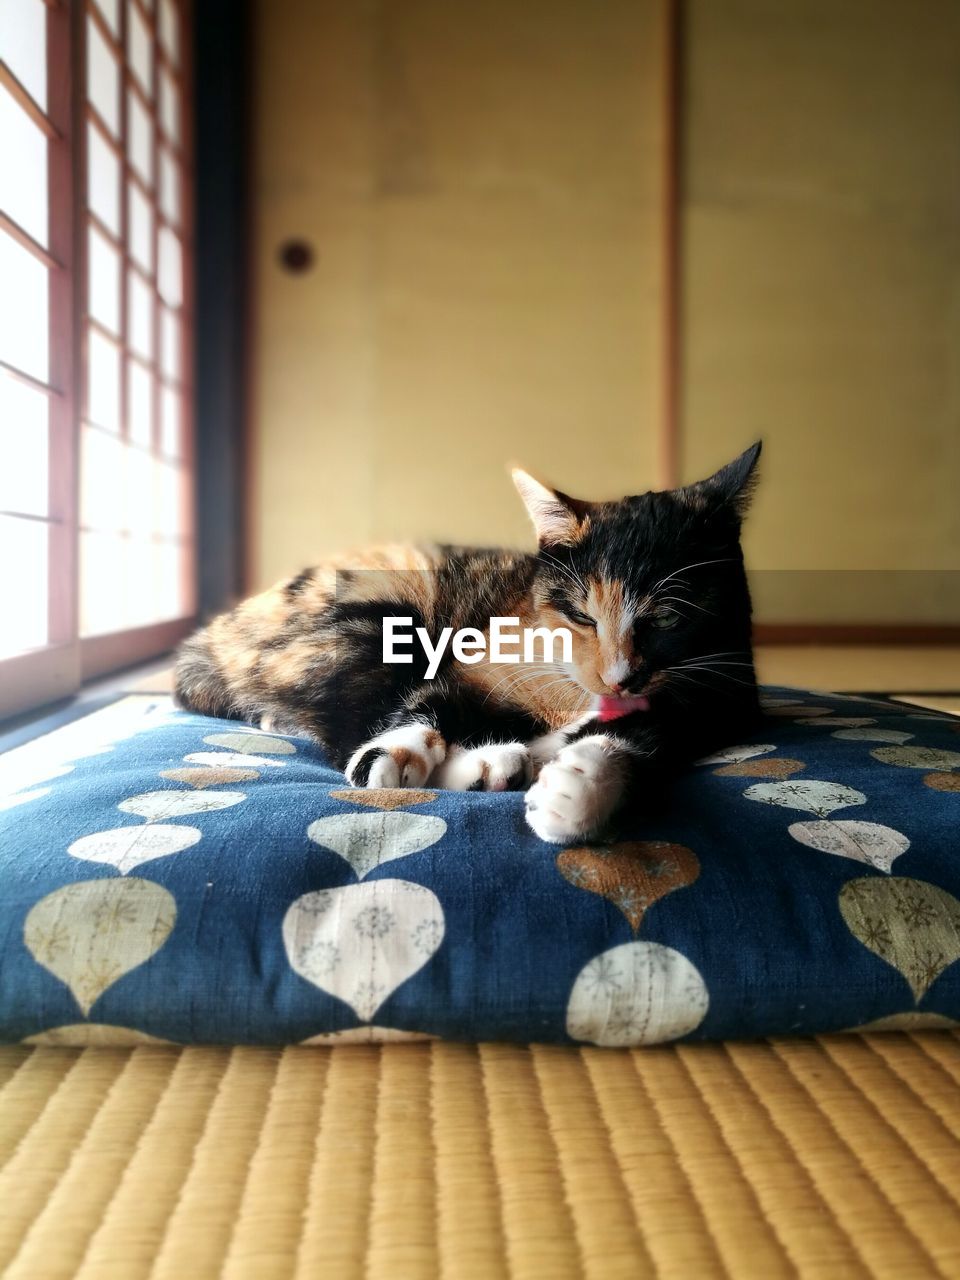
(652, 588)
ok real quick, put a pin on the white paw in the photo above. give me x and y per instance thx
(578, 792)
(504, 766)
(403, 757)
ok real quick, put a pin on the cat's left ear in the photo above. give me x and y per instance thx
(733, 485)
(557, 518)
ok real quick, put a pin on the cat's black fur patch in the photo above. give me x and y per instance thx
(360, 773)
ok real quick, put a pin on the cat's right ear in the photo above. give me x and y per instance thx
(557, 518)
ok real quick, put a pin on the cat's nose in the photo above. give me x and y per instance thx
(615, 677)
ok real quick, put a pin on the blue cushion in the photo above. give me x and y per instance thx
(202, 881)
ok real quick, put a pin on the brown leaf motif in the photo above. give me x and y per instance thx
(384, 797)
(198, 777)
(772, 767)
(633, 874)
(942, 781)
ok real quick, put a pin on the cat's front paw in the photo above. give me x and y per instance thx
(403, 757)
(502, 766)
(578, 792)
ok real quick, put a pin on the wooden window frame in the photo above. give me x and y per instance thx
(57, 670)
(43, 675)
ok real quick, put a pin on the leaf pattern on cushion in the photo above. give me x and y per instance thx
(199, 778)
(633, 874)
(156, 805)
(912, 925)
(637, 993)
(127, 847)
(733, 755)
(91, 933)
(256, 744)
(942, 781)
(807, 794)
(774, 767)
(917, 757)
(384, 797)
(368, 840)
(870, 842)
(362, 941)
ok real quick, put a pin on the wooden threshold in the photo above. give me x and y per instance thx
(102, 654)
(868, 633)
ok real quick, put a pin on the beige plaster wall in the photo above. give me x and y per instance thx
(482, 187)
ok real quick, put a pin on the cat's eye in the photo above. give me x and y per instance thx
(663, 619)
(581, 619)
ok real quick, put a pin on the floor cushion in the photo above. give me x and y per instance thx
(196, 880)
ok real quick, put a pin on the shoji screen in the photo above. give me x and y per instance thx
(135, 474)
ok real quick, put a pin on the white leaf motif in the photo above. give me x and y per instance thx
(89, 934)
(84, 1035)
(868, 842)
(367, 1034)
(23, 797)
(19, 774)
(155, 805)
(735, 755)
(872, 735)
(836, 722)
(128, 847)
(260, 744)
(367, 840)
(809, 795)
(232, 760)
(362, 941)
(637, 993)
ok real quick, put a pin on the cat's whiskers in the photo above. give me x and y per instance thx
(555, 704)
(561, 685)
(720, 653)
(526, 675)
(671, 676)
(551, 702)
(700, 564)
(681, 602)
(711, 663)
(679, 694)
(685, 668)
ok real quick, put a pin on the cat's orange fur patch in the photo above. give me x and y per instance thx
(403, 756)
(292, 664)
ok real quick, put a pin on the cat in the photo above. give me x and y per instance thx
(652, 588)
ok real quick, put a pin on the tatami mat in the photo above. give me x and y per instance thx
(824, 1158)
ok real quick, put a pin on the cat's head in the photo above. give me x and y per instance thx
(652, 587)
